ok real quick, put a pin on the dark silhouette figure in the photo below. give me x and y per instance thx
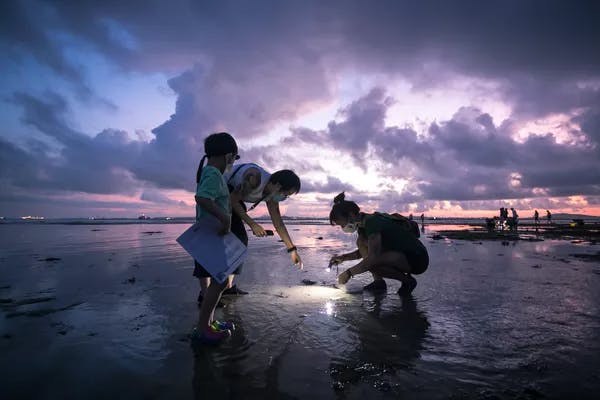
(514, 220)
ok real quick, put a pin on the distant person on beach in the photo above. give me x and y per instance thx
(388, 246)
(514, 218)
(548, 217)
(212, 199)
(422, 222)
(249, 183)
(536, 218)
(505, 220)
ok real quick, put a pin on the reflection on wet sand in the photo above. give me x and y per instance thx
(389, 341)
(382, 342)
(487, 321)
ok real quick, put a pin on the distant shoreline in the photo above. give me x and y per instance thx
(475, 222)
(589, 232)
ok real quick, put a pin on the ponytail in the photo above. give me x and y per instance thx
(200, 166)
(339, 199)
(342, 208)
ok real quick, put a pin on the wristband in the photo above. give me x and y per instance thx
(293, 248)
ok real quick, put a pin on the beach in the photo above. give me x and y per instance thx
(104, 311)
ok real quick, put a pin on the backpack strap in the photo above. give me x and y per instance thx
(235, 172)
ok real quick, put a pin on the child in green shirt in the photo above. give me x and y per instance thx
(212, 198)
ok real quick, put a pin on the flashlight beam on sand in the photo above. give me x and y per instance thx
(337, 268)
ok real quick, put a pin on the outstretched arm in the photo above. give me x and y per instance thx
(338, 259)
(275, 214)
(372, 259)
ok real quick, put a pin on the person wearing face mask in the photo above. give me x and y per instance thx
(213, 201)
(387, 244)
(250, 183)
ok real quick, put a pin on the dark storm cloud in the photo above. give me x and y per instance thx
(22, 28)
(539, 50)
(590, 124)
(30, 28)
(110, 161)
(247, 66)
(331, 185)
(465, 158)
(95, 165)
(552, 37)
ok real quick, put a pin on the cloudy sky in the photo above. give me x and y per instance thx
(448, 108)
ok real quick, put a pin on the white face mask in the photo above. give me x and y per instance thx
(350, 227)
(229, 164)
(278, 197)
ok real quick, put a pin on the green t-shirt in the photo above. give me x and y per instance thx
(394, 234)
(212, 186)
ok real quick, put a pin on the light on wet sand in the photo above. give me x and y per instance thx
(337, 268)
(329, 308)
(316, 292)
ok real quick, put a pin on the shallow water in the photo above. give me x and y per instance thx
(486, 320)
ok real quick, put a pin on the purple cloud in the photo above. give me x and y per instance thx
(250, 67)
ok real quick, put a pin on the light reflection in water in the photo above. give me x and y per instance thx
(546, 317)
(313, 292)
(329, 308)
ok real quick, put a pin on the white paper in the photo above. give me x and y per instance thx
(219, 255)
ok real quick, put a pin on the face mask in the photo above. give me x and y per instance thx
(229, 163)
(278, 197)
(350, 227)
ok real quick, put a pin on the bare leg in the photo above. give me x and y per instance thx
(378, 282)
(393, 273)
(204, 284)
(232, 289)
(212, 295)
(394, 265)
(393, 259)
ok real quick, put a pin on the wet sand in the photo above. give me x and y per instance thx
(577, 234)
(104, 311)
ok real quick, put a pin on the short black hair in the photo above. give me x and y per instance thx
(287, 179)
(219, 144)
(216, 144)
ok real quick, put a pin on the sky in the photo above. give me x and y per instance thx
(436, 107)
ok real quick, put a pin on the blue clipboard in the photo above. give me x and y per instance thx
(219, 255)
